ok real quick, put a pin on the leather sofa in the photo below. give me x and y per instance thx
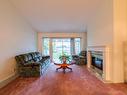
(32, 64)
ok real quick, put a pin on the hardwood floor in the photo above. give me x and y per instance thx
(78, 82)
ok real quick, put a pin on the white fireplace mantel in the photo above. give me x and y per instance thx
(107, 53)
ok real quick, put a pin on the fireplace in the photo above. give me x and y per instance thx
(97, 63)
(97, 60)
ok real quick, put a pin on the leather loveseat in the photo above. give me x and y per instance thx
(80, 59)
(32, 64)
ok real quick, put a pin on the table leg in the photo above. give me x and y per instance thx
(58, 68)
(64, 70)
(69, 68)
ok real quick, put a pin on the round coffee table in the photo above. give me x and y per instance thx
(64, 66)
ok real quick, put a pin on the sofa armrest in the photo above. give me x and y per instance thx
(75, 56)
(47, 56)
(81, 56)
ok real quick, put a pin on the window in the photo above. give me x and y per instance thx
(77, 45)
(46, 46)
(58, 46)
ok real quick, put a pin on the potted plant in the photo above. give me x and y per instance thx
(65, 57)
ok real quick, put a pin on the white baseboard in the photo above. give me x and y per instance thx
(8, 80)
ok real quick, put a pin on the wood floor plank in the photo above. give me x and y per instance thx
(78, 82)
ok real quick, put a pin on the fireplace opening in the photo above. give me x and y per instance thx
(97, 61)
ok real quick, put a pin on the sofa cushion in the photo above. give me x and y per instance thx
(27, 57)
(20, 59)
(37, 59)
(24, 58)
(36, 56)
(33, 55)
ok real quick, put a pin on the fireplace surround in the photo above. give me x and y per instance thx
(99, 62)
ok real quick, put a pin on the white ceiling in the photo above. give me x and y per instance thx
(57, 15)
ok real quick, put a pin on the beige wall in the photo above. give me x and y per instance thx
(109, 28)
(100, 26)
(16, 37)
(120, 32)
(82, 35)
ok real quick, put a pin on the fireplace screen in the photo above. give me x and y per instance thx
(97, 60)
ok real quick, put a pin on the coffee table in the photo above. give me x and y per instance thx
(64, 66)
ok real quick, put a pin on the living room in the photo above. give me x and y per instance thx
(100, 25)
